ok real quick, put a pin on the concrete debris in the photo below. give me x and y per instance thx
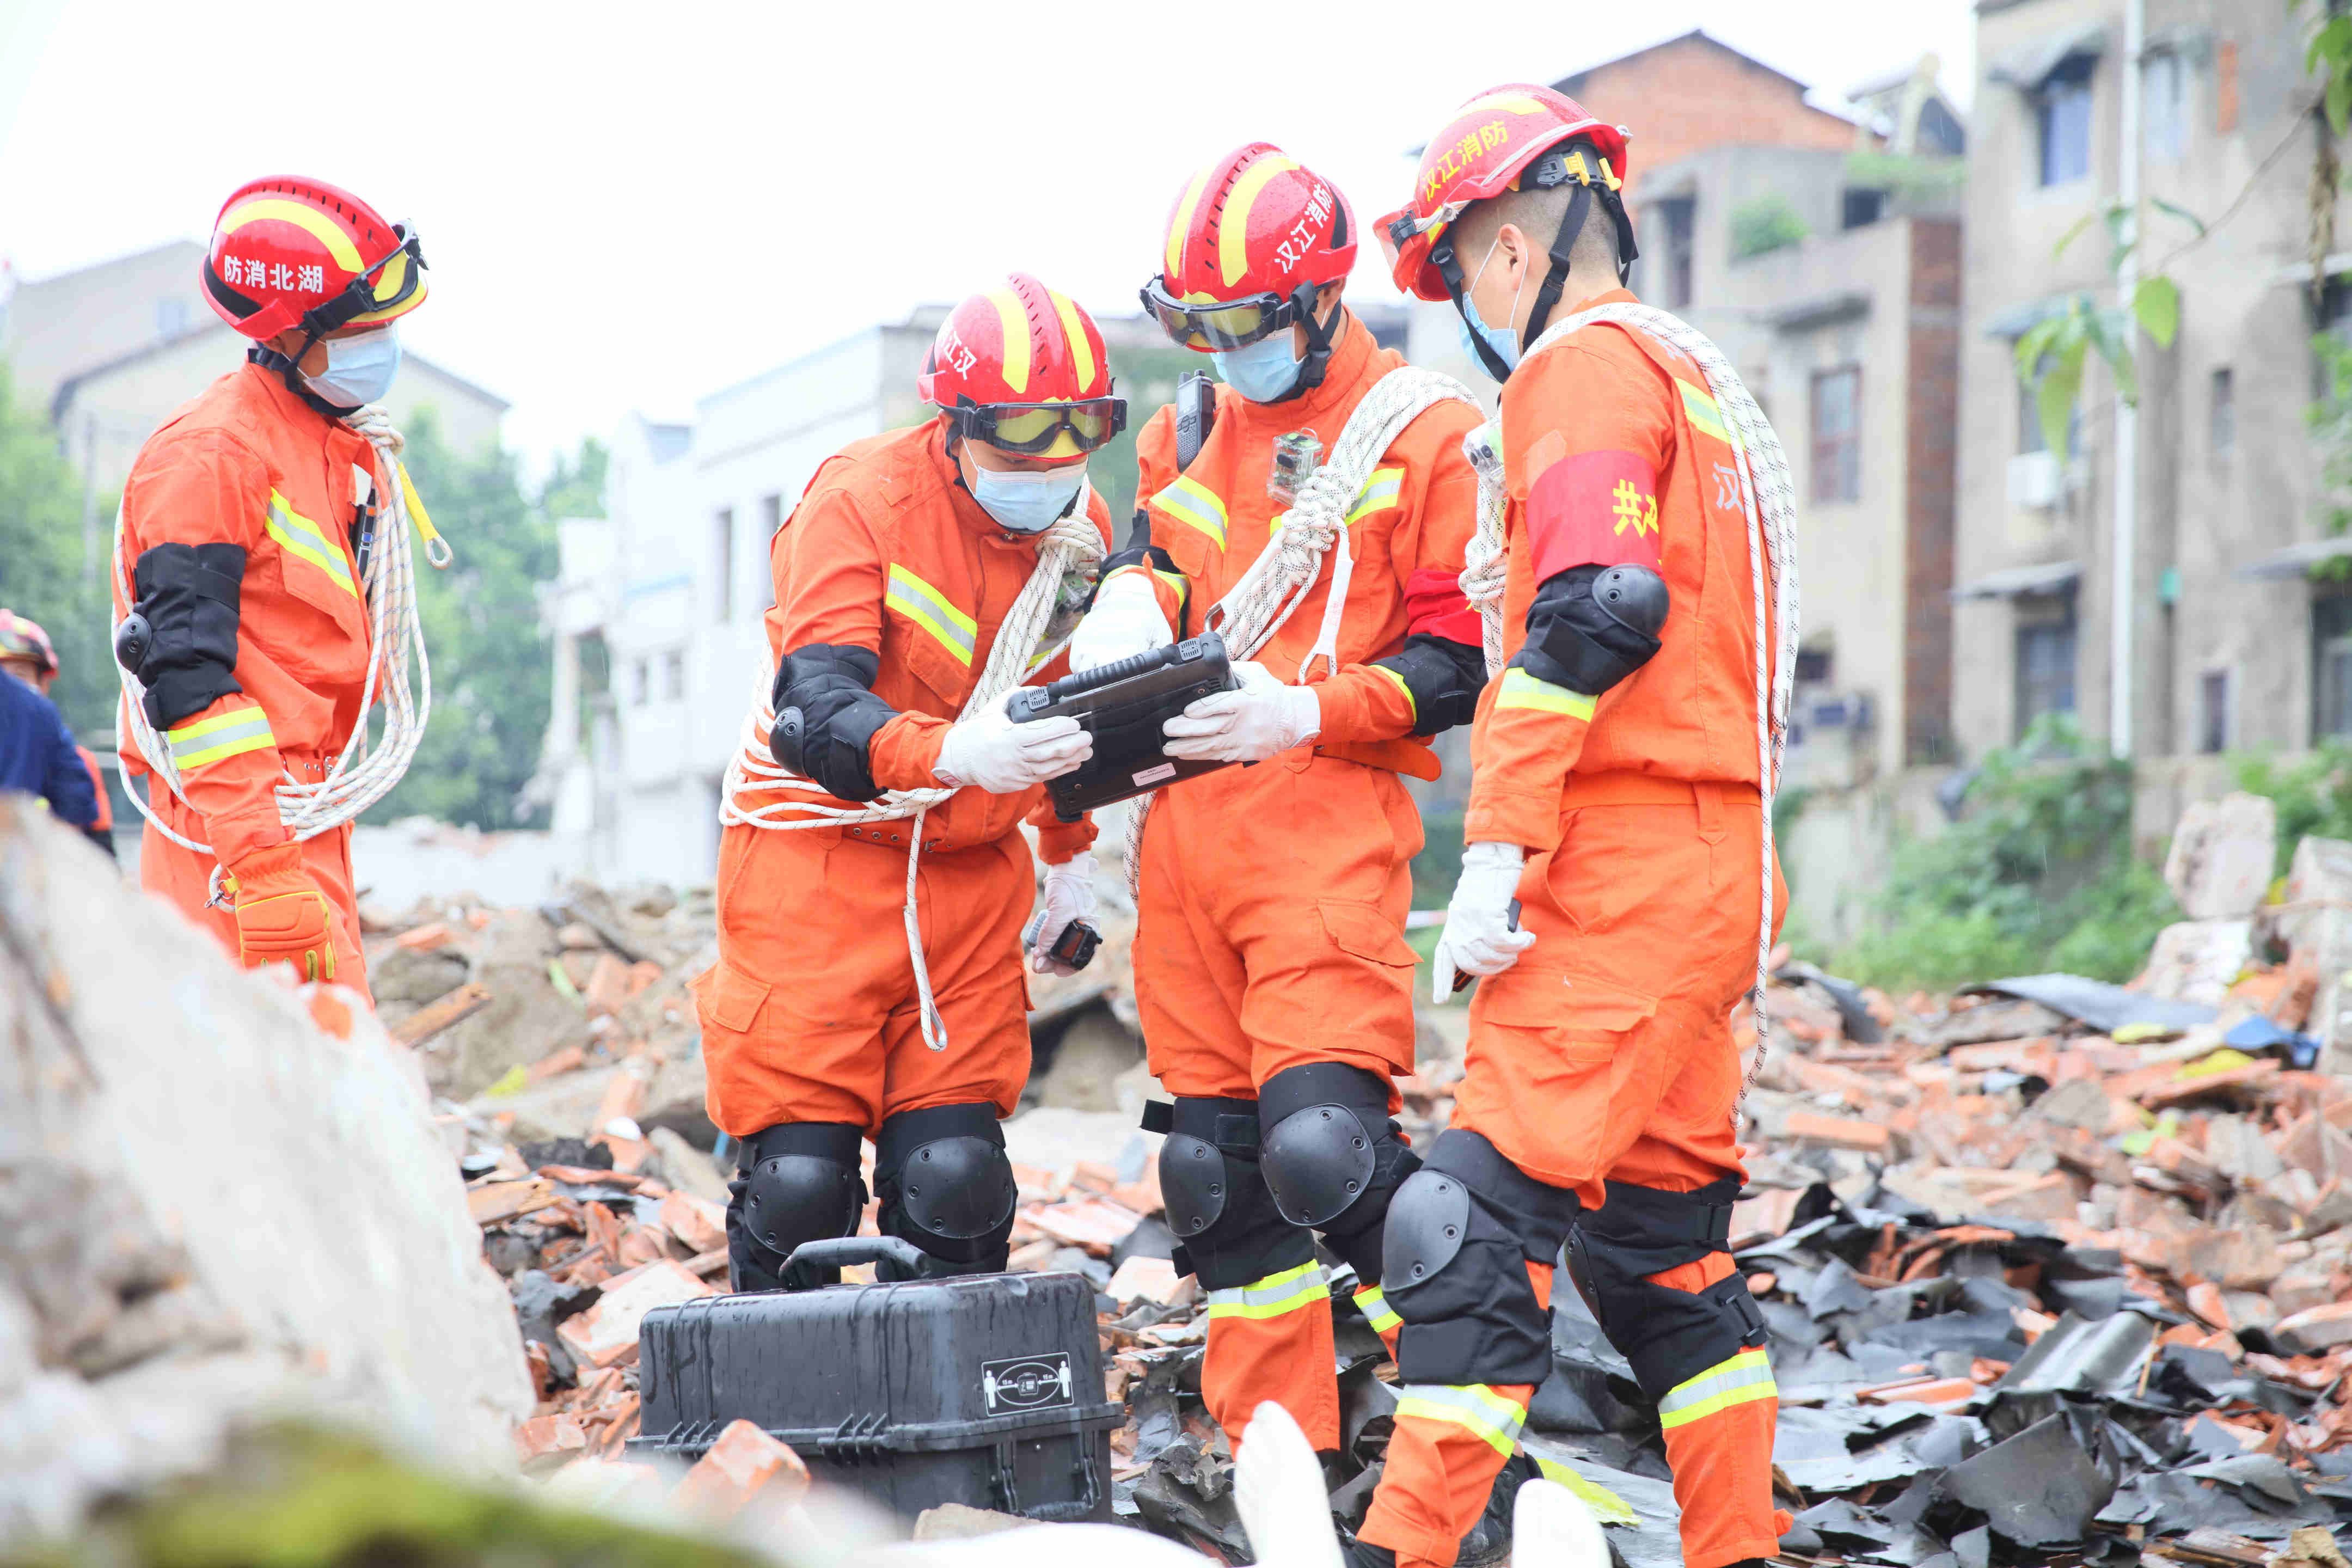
(2220, 863)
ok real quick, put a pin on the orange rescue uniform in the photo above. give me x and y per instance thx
(810, 1014)
(249, 464)
(1272, 903)
(1604, 1061)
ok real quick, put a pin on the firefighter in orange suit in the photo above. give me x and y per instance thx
(241, 590)
(1615, 797)
(893, 578)
(1271, 969)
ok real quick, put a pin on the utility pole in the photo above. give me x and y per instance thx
(2122, 599)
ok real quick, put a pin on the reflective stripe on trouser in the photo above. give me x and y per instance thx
(1719, 1426)
(1374, 1305)
(1746, 1376)
(1271, 1339)
(1450, 1444)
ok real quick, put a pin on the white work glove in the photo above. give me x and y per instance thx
(1478, 938)
(1264, 719)
(1125, 621)
(1069, 896)
(989, 752)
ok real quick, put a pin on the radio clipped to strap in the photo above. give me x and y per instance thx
(1196, 416)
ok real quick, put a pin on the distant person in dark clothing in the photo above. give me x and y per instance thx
(38, 755)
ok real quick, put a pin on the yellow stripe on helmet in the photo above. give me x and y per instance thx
(1014, 319)
(1183, 221)
(1233, 224)
(1509, 102)
(1073, 327)
(309, 219)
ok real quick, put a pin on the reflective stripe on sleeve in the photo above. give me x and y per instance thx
(1706, 415)
(202, 741)
(1521, 689)
(298, 535)
(929, 609)
(1401, 686)
(1475, 1405)
(1188, 500)
(1745, 1377)
(1275, 1295)
(1374, 1305)
(1380, 491)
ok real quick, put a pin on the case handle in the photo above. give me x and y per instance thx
(809, 1258)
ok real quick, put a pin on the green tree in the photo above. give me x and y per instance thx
(490, 650)
(41, 566)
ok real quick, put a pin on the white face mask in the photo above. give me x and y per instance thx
(359, 368)
(1027, 502)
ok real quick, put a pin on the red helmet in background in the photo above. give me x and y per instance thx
(1023, 368)
(290, 252)
(1484, 150)
(1247, 236)
(21, 638)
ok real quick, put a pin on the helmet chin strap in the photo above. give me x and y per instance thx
(1316, 364)
(290, 371)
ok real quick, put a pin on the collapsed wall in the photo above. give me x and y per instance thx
(219, 1198)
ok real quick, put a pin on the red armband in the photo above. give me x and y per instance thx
(1596, 508)
(1434, 607)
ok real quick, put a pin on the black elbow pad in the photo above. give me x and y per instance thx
(1442, 676)
(1591, 626)
(826, 714)
(188, 599)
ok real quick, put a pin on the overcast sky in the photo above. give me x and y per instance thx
(632, 206)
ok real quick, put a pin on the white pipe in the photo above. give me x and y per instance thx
(2122, 605)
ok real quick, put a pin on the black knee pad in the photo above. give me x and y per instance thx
(1228, 1231)
(1670, 1336)
(947, 1186)
(797, 1182)
(1332, 1157)
(1460, 1233)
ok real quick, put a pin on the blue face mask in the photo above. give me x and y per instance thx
(1026, 502)
(359, 369)
(1504, 341)
(1263, 371)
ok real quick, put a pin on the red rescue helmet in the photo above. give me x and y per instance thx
(1482, 150)
(290, 252)
(21, 638)
(1023, 368)
(1248, 237)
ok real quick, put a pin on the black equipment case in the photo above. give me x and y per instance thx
(1122, 705)
(983, 1390)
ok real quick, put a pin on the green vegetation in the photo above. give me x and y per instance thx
(1439, 864)
(2039, 875)
(1146, 377)
(44, 573)
(1766, 224)
(2313, 793)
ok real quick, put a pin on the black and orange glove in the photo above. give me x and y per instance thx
(280, 913)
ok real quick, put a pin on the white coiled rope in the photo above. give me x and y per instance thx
(1266, 595)
(1069, 558)
(363, 772)
(1770, 500)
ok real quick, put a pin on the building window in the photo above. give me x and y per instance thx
(2213, 712)
(2224, 425)
(2164, 105)
(2064, 110)
(1837, 433)
(2046, 661)
(673, 675)
(641, 683)
(723, 537)
(772, 521)
(1863, 208)
(1680, 217)
(2331, 667)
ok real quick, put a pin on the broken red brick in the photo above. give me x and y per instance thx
(1838, 1132)
(700, 1224)
(642, 976)
(606, 1335)
(607, 987)
(2316, 1329)
(744, 1466)
(424, 938)
(568, 1060)
(544, 1443)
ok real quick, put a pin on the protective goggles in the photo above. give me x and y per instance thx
(1223, 323)
(1032, 429)
(359, 296)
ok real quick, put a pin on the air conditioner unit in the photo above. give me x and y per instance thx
(2035, 479)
